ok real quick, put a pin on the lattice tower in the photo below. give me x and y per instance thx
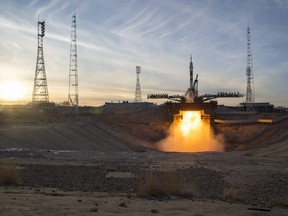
(40, 90)
(250, 93)
(73, 97)
(138, 89)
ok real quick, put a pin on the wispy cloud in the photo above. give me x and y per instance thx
(282, 4)
(114, 36)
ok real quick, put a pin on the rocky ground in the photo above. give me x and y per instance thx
(229, 179)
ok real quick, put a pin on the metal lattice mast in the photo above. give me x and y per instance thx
(250, 97)
(138, 89)
(40, 90)
(73, 68)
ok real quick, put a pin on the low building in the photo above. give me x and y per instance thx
(125, 106)
(263, 107)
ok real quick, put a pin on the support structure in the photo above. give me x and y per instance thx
(191, 96)
(138, 97)
(73, 98)
(250, 94)
(40, 89)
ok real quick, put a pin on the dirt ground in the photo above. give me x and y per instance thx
(86, 183)
(27, 202)
(87, 166)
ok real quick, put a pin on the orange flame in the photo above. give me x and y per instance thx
(190, 121)
(191, 134)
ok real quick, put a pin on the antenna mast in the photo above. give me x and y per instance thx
(138, 90)
(40, 90)
(73, 69)
(250, 97)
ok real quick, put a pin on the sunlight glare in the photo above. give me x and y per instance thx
(11, 90)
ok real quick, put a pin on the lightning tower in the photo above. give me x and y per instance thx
(73, 69)
(40, 89)
(250, 94)
(138, 90)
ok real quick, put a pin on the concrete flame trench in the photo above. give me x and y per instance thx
(175, 110)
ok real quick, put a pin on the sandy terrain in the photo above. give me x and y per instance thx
(88, 165)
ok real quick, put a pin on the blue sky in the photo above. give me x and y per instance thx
(113, 36)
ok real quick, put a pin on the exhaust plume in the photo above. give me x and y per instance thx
(191, 134)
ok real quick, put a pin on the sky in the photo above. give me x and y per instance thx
(114, 36)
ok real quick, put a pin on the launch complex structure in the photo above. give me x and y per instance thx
(206, 103)
(191, 100)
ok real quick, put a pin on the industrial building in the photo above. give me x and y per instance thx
(262, 107)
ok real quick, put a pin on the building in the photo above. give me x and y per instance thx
(263, 107)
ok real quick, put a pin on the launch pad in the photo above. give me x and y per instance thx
(191, 101)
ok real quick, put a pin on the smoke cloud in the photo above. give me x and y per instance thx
(191, 135)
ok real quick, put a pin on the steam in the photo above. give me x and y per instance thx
(191, 135)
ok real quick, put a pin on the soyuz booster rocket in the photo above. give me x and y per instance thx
(191, 73)
(190, 93)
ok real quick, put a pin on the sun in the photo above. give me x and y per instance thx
(11, 90)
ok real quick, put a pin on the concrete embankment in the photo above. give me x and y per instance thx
(82, 135)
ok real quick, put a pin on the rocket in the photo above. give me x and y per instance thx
(190, 93)
(191, 73)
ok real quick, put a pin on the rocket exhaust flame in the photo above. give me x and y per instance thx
(191, 134)
(190, 121)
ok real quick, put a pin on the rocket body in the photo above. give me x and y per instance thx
(191, 73)
(190, 94)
